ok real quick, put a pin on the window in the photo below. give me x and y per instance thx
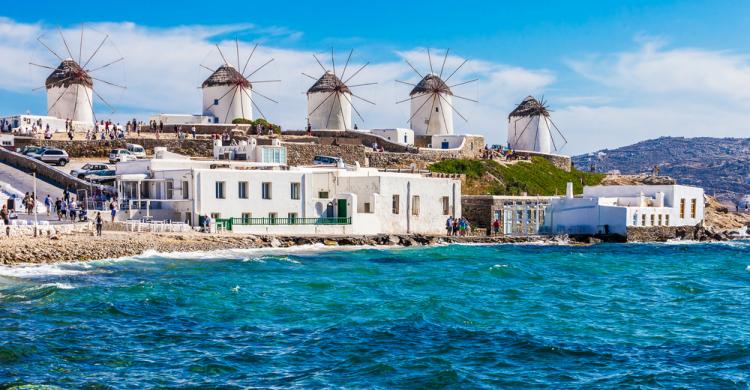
(643, 219)
(446, 205)
(693, 207)
(295, 191)
(323, 194)
(682, 208)
(246, 217)
(215, 216)
(660, 219)
(220, 190)
(635, 219)
(292, 218)
(185, 190)
(666, 220)
(242, 190)
(368, 207)
(265, 190)
(415, 205)
(653, 217)
(170, 190)
(216, 102)
(272, 217)
(396, 204)
(436, 109)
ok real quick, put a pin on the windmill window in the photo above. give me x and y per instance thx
(437, 109)
(216, 102)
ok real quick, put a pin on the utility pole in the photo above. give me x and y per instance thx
(36, 222)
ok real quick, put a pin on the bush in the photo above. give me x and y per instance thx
(241, 121)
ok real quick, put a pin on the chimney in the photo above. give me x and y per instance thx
(569, 190)
(660, 199)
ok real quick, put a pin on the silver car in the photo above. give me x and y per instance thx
(53, 156)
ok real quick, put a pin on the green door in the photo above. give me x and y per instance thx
(342, 208)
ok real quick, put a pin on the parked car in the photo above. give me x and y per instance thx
(98, 175)
(137, 150)
(88, 169)
(54, 156)
(327, 160)
(29, 149)
(120, 155)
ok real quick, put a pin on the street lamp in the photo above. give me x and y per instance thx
(36, 226)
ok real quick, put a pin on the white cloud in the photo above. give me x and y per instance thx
(655, 91)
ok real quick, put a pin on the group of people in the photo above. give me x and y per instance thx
(499, 152)
(457, 226)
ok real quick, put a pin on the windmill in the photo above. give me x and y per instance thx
(432, 100)
(70, 86)
(530, 128)
(329, 100)
(228, 92)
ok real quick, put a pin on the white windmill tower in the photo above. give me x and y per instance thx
(530, 128)
(228, 92)
(70, 86)
(329, 100)
(432, 100)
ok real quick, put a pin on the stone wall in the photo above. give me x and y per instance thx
(303, 153)
(560, 161)
(664, 233)
(101, 148)
(478, 211)
(43, 171)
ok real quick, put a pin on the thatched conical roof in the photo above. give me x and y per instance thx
(329, 82)
(431, 84)
(226, 75)
(68, 73)
(529, 107)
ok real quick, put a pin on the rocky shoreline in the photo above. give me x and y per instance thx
(85, 247)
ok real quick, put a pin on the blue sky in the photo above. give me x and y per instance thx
(614, 73)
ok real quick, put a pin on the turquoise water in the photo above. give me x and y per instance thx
(454, 316)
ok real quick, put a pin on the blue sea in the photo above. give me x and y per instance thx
(458, 316)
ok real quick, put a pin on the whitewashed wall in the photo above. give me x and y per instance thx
(337, 108)
(235, 104)
(74, 103)
(440, 122)
(530, 134)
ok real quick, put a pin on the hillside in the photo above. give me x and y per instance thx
(535, 177)
(720, 165)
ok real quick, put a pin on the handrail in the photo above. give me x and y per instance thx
(284, 221)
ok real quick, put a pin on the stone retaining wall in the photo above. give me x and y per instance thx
(101, 148)
(665, 233)
(303, 153)
(559, 161)
(43, 171)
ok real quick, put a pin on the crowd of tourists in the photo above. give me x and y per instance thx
(457, 226)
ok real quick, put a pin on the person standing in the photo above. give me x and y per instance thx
(99, 223)
(192, 130)
(113, 209)
(48, 204)
(449, 225)
(5, 215)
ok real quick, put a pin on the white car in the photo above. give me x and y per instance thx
(137, 150)
(120, 155)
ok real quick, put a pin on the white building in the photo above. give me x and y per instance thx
(250, 151)
(329, 104)
(70, 93)
(26, 124)
(431, 107)
(398, 135)
(529, 128)
(227, 95)
(614, 209)
(182, 119)
(263, 197)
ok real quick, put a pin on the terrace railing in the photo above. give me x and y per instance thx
(227, 223)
